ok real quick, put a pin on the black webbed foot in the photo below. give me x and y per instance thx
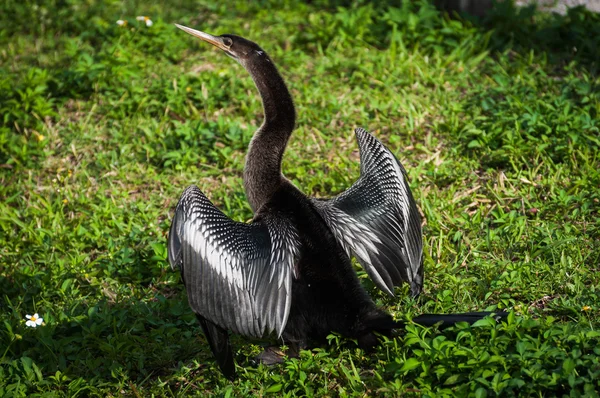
(270, 356)
(273, 355)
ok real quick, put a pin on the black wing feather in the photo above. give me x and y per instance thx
(237, 275)
(377, 219)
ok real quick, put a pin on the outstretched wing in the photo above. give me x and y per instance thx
(237, 275)
(377, 219)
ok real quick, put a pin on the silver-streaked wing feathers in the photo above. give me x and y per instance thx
(377, 219)
(237, 275)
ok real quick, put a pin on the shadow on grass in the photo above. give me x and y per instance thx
(109, 342)
(564, 38)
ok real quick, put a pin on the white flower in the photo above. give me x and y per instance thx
(120, 22)
(34, 321)
(147, 20)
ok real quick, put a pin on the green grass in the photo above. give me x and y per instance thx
(104, 126)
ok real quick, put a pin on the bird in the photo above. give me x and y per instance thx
(288, 271)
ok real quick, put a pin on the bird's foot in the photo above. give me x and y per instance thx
(271, 356)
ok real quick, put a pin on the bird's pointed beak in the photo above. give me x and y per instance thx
(214, 40)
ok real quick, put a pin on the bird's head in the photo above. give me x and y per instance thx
(238, 48)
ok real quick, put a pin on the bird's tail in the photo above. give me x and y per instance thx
(218, 340)
(447, 320)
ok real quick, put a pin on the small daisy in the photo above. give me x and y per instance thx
(586, 308)
(147, 20)
(34, 320)
(121, 22)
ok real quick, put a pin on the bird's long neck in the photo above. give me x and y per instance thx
(262, 172)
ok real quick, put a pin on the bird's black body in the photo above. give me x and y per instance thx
(289, 270)
(327, 295)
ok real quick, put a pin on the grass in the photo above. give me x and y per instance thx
(103, 127)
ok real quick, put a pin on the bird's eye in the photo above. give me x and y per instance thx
(227, 42)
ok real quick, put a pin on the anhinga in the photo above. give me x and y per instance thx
(289, 270)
